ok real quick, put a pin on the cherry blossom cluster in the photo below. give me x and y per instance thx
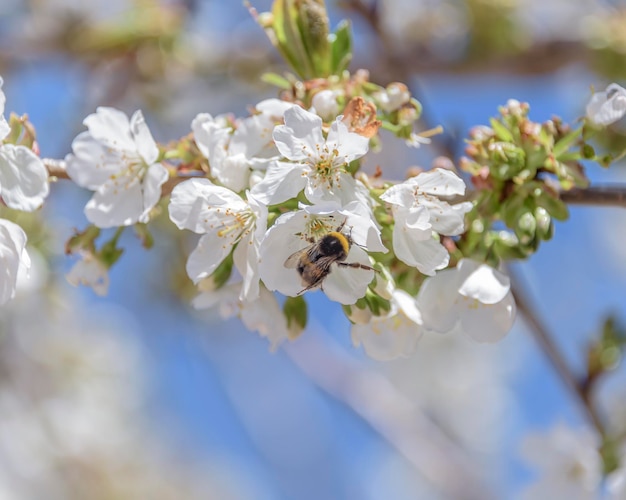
(265, 189)
(270, 186)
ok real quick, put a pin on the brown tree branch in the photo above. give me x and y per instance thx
(544, 339)
(611, 195)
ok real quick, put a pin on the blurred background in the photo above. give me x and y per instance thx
(136, 395)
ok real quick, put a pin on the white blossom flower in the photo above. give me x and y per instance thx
(318, 163)
(263, 314)
(226, 221)
(571, 466)
(23, 176)
(232, 154)
(13, 258)
(118, 160)
(90, 271)
(293, 232)
(608, 106)
(393, 335)
(472, 297)
(418, 211)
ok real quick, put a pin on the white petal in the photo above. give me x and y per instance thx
(426, 254)
(232, 171)
(445, 218)
(154, 178)
(118, 202)
(12, 255)
(144, 142)
(279, 243)
(439, 182)
(348, 145)
(204, 126)
(4, 126)
(252, 136)
(92, 163)
(246, 259)
(402, 194)
(282, 182)
(207, 256)
(301, 135)
(344, 191)
(362, 228)
(486, 322)
(482, 282)
(110, 126)
(346, 285)
(23, 178)
(200, 205)
(265, 316)
(436, 301)
(274, 108)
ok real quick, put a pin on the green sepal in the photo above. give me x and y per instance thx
(221, 275)
(296, 314)
(144, 235)
(566, 142)
(85, 239)
(502, 133)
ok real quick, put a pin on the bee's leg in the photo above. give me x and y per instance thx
(356, 265)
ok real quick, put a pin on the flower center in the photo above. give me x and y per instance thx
(236, 224)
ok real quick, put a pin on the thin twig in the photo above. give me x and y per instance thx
(614, 195)
(544, 339)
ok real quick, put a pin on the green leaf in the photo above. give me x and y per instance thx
(566, 142)
(276, 80)
(312, 22)
(341, 43)
(288, 41)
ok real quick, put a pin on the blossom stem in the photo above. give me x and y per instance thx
(548, 346)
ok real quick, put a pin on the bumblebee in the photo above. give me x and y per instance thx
(314, 262)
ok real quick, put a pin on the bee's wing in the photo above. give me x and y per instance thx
(293, 260)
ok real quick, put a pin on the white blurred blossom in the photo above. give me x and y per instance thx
(568, 463)
(263, 314)
(90, 271)
(14, 259)
(394, 334)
